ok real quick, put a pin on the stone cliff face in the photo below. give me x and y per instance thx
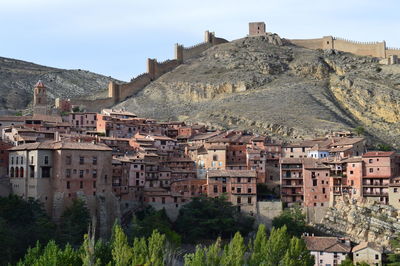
(17, 79)
(269, 86)
(362, 221)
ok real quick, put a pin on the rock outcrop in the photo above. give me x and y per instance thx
(362, 221)
(269, 86)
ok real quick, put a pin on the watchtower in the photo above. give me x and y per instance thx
(256, 28)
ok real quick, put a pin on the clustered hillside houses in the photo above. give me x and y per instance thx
(116, 162)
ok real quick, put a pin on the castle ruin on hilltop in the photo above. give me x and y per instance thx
(120, 92)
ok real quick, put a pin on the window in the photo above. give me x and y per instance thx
(395, 190)
(94, 172)
(323, 190)
(370, 160)
(68, 172)
(68, 160)
(45, 172)
(351, 172)
(17, 160)
(239, 180)
(371, 170)
(215, 157)
(215, 189)
(81, 160)
(249, 200)
(81, 184)
(94, 184)
(68, 185)
(249, 190)
(22, 160)
(94, 160)
(12, 160)
(377, 257)
(239, 200)
(224, 189)
(239, 190)
(314, 183)
(81, 172)
(249, 180)
(32, 171)
(46, 159)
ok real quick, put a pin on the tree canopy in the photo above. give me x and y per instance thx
(294, 220)
(205, 217)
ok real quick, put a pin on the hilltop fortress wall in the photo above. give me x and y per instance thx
(155, 69)
(375, 49)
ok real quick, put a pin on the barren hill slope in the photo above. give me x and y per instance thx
(267, 85)
(17, 79)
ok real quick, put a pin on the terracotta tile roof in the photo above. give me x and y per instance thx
(14, 118)
(353, 160)
(231, 173)
(371, 245)
(217, 147)
(61, 145)
(326, 244)
(47, 118)
(346, 141)
(378, 154)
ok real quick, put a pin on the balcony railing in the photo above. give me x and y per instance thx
(375, 194)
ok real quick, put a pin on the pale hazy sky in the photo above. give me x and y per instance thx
(115, 37)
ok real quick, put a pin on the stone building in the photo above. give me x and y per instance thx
(56, 172)
(368, 252)
(327, 250)
(40, 99)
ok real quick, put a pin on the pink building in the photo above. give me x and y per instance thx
(239, 186)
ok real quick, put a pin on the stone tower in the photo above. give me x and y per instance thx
(40, 99)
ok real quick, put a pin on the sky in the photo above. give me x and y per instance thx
(115, 37)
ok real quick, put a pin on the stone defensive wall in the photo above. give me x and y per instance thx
(155, 69)
(374, 49)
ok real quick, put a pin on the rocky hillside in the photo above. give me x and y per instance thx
(17, 79)
(267, 85)
(362, 221)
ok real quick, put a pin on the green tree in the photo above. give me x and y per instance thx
(234, 252)
(139, 251)
(88, 249)
(196, 259)
(294, 220)
(149, 220)
(347, 262)
(297, 254)
(121, 251)
(74, 223)
(258, 246)
(207, 256)
(276, 246)
(205, 217)
(155, 247)
(359, 130)
(52, 255)
(22, 224)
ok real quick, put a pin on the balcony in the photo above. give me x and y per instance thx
(375, 194)
(375, 184)
(292, 185)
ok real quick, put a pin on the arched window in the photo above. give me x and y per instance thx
(12, 172)
(21, 172)
(16, 172)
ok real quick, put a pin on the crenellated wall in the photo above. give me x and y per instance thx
(375, 49)
(119, 92)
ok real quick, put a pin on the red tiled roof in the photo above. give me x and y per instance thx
(327, 244)
(378, 154)
(61, 145)
(363, 245)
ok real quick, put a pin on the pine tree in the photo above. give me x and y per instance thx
(297, 254)
(234, 252)
(121, 251)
